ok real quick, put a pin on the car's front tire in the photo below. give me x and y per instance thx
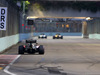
(21, 49)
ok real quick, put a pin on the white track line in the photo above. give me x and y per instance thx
(7, 67)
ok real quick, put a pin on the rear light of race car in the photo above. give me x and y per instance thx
(24, 46)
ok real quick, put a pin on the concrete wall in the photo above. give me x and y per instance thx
(53, 33)
(6, 42)
(94, 36)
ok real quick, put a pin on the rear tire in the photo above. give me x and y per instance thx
(21, 50)
(46, 37)
(41, 49)
(38, 37)
(53, 37)
(61, 37)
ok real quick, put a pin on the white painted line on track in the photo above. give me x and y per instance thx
(7, 67)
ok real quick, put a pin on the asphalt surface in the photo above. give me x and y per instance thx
(68, 56)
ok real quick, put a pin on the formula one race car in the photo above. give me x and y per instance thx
(31, 48)
(42, 36)
(57, 36)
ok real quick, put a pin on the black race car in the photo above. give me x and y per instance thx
(42, 36)
(57, 36)
(31, 47)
